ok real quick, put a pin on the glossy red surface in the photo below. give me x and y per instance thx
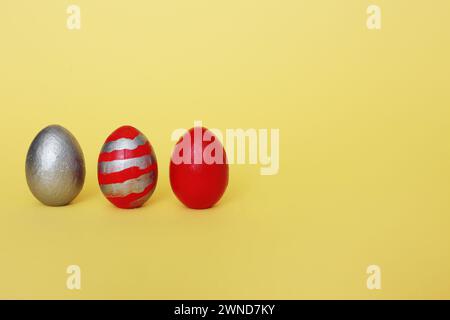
(198, 185)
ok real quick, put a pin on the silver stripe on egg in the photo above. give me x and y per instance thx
(130, 186)
(124, 144)
(139, 202)
(54, 167)
(107, 167)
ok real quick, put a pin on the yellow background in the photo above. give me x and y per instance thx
(364, 131)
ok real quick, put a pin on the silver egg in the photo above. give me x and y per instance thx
(55, 166)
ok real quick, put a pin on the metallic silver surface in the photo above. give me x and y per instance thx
(130, 186)
(107, 167)
(124, 144)
(139, 202)
(54, 166)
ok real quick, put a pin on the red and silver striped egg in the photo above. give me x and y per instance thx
(127, 168)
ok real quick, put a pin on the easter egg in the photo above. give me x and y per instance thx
(54, 166)
(127, 168)
(199, 169)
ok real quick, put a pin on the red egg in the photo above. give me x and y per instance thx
(199, 169)
(127, 168)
